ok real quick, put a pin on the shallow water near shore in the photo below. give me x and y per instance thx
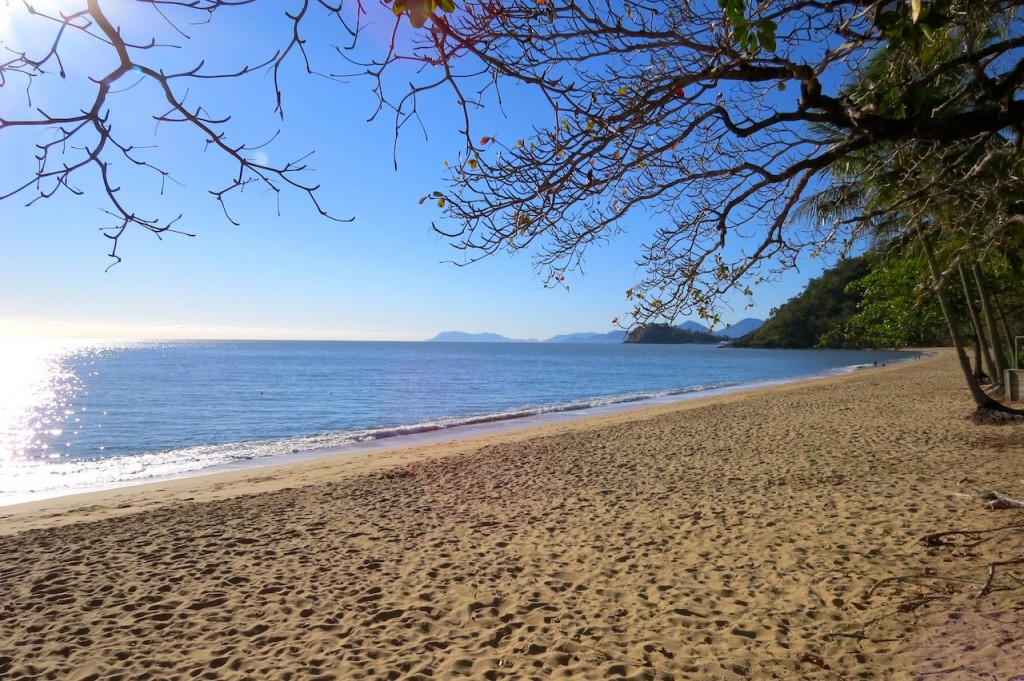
(80, 415)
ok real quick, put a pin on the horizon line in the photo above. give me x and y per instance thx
(114, 331)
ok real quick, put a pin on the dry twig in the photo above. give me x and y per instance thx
(985, 590)
(936, 538)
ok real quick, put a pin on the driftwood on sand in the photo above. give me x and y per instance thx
(996, 500)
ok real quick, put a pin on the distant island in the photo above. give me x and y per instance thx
(589, 337)
(831, 312)
(463, 337)
(666, 334)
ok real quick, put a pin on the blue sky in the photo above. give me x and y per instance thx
(293, 275)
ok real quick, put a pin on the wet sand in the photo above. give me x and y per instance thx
(773, 534)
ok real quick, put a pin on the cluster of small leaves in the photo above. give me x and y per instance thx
(419, 11)
(913, 29)
(751, 37)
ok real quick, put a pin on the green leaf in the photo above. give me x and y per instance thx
(417, 17)
(418, 10)
(766, 34)
(887, 21)
(446, 5)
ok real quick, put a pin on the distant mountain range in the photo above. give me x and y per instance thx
(740, 328)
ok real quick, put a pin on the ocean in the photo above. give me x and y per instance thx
(81, 415)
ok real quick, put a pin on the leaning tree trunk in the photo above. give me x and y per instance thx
(980, 345)
(979, 374)
(1007, 334)
(986, 407)
(988, 313)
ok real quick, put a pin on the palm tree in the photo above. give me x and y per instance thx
(958, 204)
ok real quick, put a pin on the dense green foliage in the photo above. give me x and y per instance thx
(826, 304)
(863, 302)
(895, 310)
(665, 334)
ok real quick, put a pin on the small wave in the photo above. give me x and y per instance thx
(526, 412)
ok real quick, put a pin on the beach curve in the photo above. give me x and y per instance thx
(751, 535)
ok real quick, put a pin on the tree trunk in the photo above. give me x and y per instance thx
(983, 403)
(980, 346)
(1010, 347)
(979, 374)
(988, 313)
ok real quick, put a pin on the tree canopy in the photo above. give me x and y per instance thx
(714, 121)
(895, 308)
(710, 121)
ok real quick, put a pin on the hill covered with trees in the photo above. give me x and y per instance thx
(860, 302)
(666, 334)
(825, 304)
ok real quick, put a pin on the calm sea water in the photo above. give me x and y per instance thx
(80, 415)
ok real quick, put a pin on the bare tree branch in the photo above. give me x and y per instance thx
(84, 143)
(712, 128)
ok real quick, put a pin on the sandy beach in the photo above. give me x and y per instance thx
(773, 534)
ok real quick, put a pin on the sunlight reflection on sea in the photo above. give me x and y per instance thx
(77, 415)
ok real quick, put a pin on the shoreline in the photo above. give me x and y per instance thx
(416, 434)
(771, 533)
(380, 454)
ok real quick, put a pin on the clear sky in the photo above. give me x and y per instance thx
(283, 273)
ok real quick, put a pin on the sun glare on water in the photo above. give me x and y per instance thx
(36, 388)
